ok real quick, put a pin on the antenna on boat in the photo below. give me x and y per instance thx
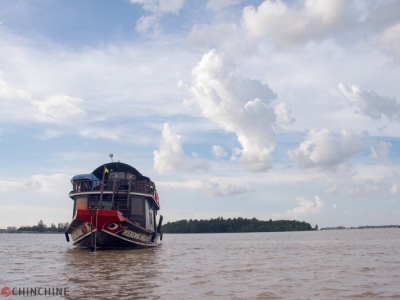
(111, 155)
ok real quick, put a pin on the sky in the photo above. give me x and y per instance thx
(274, 109)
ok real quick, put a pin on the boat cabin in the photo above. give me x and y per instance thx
(117, 186)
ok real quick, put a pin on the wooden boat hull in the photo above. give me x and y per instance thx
(109, 229)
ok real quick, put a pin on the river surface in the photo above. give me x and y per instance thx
(340, 264)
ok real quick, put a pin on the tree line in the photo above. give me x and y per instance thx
(221, 225)
(41, 227)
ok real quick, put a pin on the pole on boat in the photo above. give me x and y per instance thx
(128, 197)
(105, 170)
(114, 177)
(95, 234)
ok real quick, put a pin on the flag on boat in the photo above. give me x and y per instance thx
(106, 170)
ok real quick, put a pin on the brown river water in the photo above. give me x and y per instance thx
(341, 264)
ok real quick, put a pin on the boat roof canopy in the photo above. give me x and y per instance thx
(119, 167)
(86, 177)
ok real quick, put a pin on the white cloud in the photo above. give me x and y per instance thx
(16, 103)
(305, 208)
(390, 41)
(289, 25)
(157, 8)
(380, 151)
(8, 92)
(171, 157)
(308, 207)
(394, 189)
(371, 104)
(363, 187)
(218, 151)
(366, 186)
(212, 35)
(221, 4)
(283, 114)
(238, 105)
(100, 134)
(160, 6)
(325, 149)
(59, 108)
(38, 183)
(215, 188)
(145, 23)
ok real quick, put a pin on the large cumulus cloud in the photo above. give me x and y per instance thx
(325, 149)
(237, 105)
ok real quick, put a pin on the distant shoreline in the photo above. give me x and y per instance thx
(360, 227)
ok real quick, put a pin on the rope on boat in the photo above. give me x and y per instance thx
(95, 234)
(91, 230)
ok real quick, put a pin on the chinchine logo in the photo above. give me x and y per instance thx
(5, 291)
(34, 291)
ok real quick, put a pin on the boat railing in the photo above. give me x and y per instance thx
(144, 187)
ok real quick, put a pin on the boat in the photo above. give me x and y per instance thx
(115, 207)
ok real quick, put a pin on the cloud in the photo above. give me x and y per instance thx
(367, 186)
(37, 183)
(325, 149)
(238, 105)
(16, 104)
(218, 151)
(145, 23)
(371, 104)
(215, 188)
(59, 108)
(214, 35)
(305, 208)
(8, 92)
(290, 25)
(389, 40)
(100, 134)
(160, 6)
(394, 189)
(171, 157)
(283, 114)
(380, 151)
(221, 4)
(362, 188)
(308, 207)
(157, 8)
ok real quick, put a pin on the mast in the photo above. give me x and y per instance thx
(105, 170)
(128, 197)
(114, 177)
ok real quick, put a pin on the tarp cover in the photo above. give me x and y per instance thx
(86, 177)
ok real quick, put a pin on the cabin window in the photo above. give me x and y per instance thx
(81, 203)
(119, 175)
(151, 215)
(82, 185)
(105, 203)
(136, 206)
(137, 212)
